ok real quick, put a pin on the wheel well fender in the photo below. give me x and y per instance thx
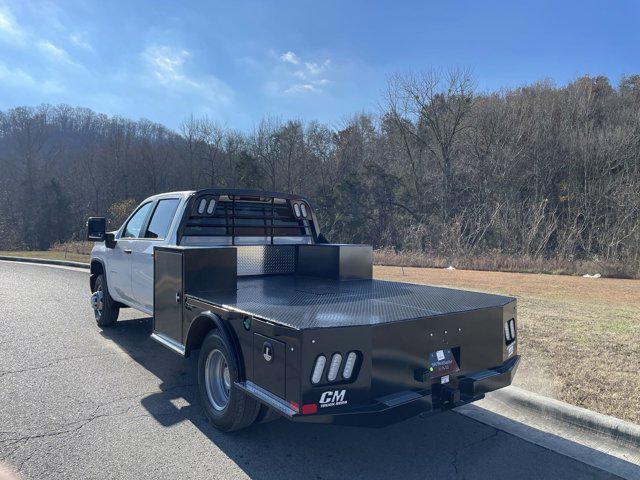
(97, 267)
(200, 328)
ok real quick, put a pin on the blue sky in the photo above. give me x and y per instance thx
(326, 60)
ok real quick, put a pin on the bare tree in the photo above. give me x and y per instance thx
(437, 106)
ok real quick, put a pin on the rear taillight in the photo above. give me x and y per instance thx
(318, 369)
(349, 364)
(510, 331)
(336, 364)
(336, 360)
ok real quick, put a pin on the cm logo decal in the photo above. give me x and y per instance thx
(333, 398)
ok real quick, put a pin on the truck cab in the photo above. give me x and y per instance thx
(288, 324)
(127, 260)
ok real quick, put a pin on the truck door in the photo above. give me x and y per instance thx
(142, 256)
(120, 256)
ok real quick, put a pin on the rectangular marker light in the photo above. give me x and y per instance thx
(318, 369)
(507, 334)
(349, 364)
(336, 360)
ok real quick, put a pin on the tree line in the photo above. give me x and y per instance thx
(537, 171)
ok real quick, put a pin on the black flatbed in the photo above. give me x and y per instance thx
(310, 302)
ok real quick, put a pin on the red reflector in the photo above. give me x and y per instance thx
(294, 406)
(309, 408)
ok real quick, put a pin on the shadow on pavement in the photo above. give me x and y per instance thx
(448, 445)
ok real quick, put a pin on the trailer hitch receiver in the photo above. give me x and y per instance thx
(450, 397)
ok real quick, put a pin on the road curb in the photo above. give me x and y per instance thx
(604, 425)
(45, 261)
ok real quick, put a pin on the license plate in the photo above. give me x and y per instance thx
(441, 363)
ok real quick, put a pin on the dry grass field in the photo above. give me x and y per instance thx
(579, 337)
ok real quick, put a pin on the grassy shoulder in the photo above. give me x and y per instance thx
(579, 337)
(48, 254)
(500, 262)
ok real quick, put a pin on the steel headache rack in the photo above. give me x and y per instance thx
(229, 214)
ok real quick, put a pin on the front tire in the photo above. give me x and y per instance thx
(227, 407)
(104, 307)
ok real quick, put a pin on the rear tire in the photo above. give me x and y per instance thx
(105, 308)
(227, 407)
(267, 415)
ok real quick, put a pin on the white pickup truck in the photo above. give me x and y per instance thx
(286, 322)
(122, 265)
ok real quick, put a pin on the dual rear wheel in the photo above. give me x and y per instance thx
(227, 407)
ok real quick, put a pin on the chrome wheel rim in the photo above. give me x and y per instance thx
(97, 302)
(217, 379)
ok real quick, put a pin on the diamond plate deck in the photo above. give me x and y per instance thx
(306, 302)
(266, 259)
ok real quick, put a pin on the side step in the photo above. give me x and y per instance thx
(267, 398)
(170, 343)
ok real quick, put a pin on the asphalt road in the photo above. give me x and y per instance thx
(76, 402)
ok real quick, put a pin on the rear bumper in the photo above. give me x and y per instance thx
(479, 383)
(400, 406)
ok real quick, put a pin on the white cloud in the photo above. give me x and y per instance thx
(25, 39)
(56, 54)
(288, 74)
(31, 39)
(315, 68)
(308, 75)
(249, 62)
(16, 77)
(290, 57)
(166, 65)
(53, 52)
(312, 86)
(9, 28)
(79, 41)
(301, 88)
(312, 69)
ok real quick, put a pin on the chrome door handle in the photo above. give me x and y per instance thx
(127, 250)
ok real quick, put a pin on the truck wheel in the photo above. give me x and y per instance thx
(104, 307)
(227, 407)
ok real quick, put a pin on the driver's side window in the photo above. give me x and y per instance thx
(133, 228)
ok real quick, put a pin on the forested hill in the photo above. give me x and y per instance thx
(538, 171)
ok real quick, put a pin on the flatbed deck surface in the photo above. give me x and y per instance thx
(309, 302)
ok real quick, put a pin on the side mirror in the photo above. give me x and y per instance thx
(110, 240)
(96, 229)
